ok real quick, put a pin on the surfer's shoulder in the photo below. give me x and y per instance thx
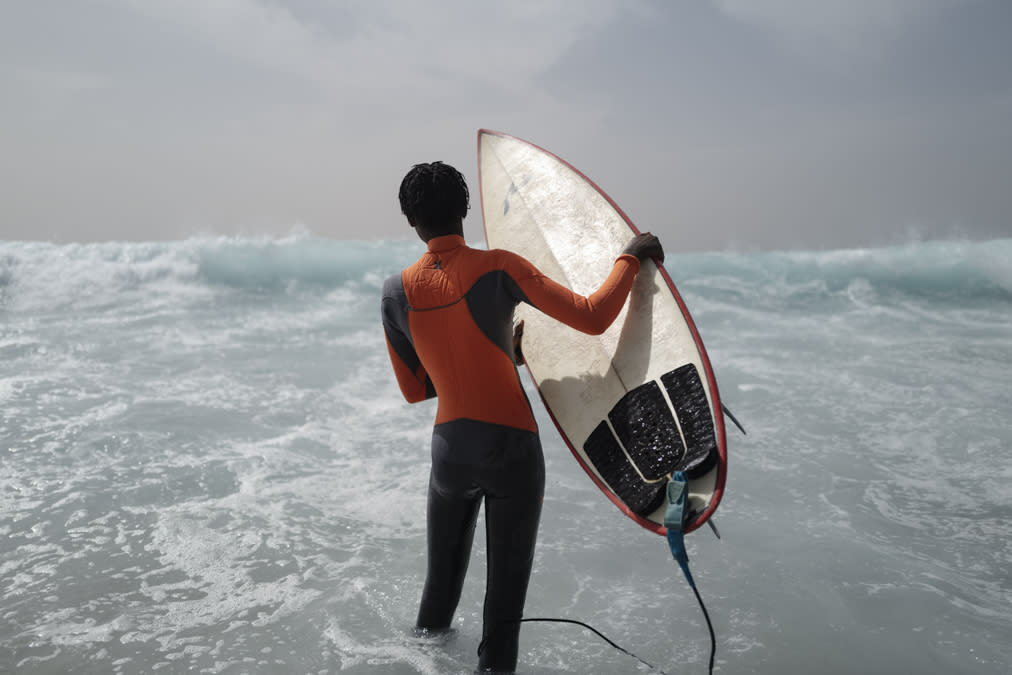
(508, 259)
(393, 286)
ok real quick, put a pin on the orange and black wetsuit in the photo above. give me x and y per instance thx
(449, 327)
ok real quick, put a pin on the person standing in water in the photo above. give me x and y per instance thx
(448, 320)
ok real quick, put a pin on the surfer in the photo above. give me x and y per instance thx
(448, 324)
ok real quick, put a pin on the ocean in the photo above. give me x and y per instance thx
(206, 467)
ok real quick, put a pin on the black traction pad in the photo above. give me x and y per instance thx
(646, 428)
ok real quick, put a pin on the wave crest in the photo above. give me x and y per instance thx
(58, 274)
(938, 270)
(42, 273)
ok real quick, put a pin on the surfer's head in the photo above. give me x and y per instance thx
(434, 198)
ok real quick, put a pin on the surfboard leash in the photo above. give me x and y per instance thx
(674, 520)
(600, 635)
(623, 649)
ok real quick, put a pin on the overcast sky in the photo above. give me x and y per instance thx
(718, 124)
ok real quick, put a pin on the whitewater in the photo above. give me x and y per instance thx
(206, 466)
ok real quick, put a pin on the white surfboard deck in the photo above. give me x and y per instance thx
(539, 206)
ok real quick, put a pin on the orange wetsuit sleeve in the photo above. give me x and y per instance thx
(414, 385)
(411, 375)
(592, 314)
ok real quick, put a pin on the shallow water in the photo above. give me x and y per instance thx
(207, 467)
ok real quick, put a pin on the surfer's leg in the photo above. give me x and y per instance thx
(512, 513)
(454, 500)
(450, 532)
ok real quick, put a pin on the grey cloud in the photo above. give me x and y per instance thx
(714, 124)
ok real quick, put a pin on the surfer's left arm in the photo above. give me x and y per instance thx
(591, 314)
(594, 313)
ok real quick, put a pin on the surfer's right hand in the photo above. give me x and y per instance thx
(518, 337)
(645, 246)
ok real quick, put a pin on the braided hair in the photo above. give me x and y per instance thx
(434, 196)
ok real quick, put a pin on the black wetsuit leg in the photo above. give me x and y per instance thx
(450, 521)
(511, 530)
(505, 465)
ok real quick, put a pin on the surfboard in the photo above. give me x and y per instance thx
(638, 402)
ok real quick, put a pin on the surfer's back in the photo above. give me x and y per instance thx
(459, 309)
